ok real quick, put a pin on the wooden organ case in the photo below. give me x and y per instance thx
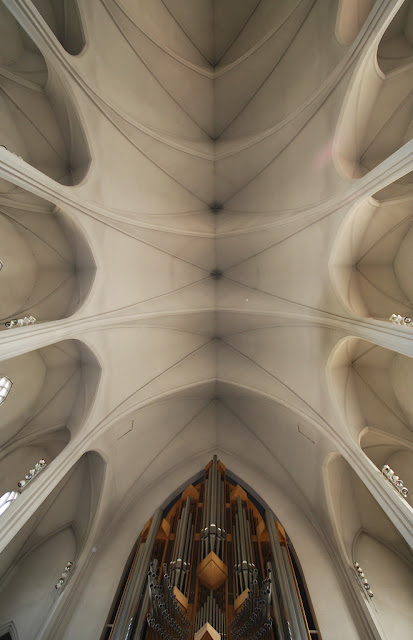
(212, 567)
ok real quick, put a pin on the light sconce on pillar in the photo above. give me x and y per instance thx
(363, 580)
(30, 475)
(20, 322)
(395, 480)
(68, 568)
(403, 321)
(10, 496)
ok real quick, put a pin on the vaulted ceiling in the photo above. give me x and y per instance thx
(212, 170)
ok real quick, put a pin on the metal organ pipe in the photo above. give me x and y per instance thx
(128, 608)
(165, 616)
(211, 612)
(244, 559)
(254, 622)
(179, 565)
(302, 628)
(140, 625)
(272, 608)
(213, 523)
(293, 618)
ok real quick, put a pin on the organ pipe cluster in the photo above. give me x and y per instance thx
(363, 580)
(206, 575)
(211, 612)
(254, 620)
(395, 480)
(213, 521)
(244, 566)
(165, 618)
(180, 564)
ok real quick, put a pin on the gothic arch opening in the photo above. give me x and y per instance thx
(371, 387)
(39, 122)
(53, 387)
(383, 449)
(47, 266)
(351, 16)
(38, 558)
(372, 259)
(396, 46)
(64, 20)
(376, 116)
(366, 535)
(215, 556)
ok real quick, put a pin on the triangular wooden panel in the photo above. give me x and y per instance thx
(240, 600)
(181, 599)
(238, 492)
(191, 492)
(207, 632)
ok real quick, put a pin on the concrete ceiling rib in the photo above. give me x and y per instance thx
(207, 206)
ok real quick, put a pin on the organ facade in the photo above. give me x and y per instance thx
(214, 564)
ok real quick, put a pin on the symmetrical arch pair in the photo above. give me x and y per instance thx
(47, 267)
(53, 391)
(372, 262)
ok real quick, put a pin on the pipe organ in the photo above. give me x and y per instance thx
(212, 566)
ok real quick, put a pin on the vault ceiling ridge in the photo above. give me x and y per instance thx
(22, 174)
(206, 71)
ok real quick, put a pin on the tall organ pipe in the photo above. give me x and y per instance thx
(294, 595)
(213, 523)
(292, 608)
(130, 602)
(140, 625)
(181, 552)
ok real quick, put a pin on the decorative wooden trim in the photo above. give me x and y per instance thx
(261, 530)
(165, 528)
(281, 533)
(191, 492)
(207, 632)
(240, 600)
(212, 572)
(238, 492)
(145, 530)
(181, 599)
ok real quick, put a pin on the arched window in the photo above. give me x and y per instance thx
(5, 387)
